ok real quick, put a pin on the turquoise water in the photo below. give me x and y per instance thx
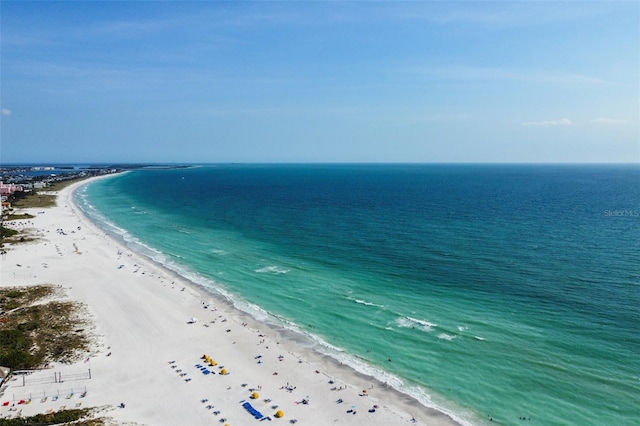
(485, 291)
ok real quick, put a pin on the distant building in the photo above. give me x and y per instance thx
(8, 189)
(5, 191)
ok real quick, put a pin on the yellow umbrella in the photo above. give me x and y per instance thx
(223, 371)
(213, 362)
(279, 413)
(255, 395)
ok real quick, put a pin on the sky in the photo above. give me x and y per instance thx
(327, 81)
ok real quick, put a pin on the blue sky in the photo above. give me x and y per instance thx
(320, 81)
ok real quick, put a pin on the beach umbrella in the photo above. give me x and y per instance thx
(255, 395)
(279, 413)
(213, 362)
(223, 371)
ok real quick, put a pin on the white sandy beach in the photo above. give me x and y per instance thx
(146, 350)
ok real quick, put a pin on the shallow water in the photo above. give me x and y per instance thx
(488, 291)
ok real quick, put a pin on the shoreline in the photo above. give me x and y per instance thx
(143, 345)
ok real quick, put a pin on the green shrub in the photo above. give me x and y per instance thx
(57, 418)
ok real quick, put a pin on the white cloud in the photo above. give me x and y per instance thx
(502, 15)
(515, 75)
(603, 120)
(6, 112)
(561, 122)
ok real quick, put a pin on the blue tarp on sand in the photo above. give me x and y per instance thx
(255, 413)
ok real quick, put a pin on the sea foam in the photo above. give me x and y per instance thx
(364, 302)
(272, 270)
(409, 322)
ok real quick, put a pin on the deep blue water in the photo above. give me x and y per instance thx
(496, 290)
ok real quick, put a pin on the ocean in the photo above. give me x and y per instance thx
(487, 291)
